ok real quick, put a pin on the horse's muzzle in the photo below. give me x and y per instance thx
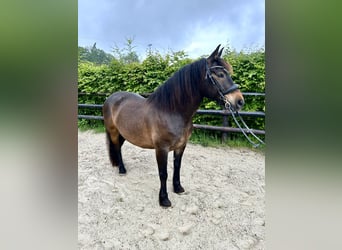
(234, 100)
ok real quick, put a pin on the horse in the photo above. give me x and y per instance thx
(163, 120)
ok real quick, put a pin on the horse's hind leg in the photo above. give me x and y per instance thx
(177, 160)
(115, 141)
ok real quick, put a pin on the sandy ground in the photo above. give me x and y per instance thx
(223, 206)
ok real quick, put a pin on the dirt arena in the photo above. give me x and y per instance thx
(223, 206)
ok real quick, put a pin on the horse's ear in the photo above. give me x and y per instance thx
(215, 55)
(220, 52)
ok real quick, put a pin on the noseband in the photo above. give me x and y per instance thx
(219, 88)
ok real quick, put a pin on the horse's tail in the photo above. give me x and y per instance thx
(111, 150)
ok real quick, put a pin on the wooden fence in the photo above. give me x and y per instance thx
(225, 128)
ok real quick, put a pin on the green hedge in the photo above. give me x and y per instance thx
(146, 76)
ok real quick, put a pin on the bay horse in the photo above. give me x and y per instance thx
(163, 121)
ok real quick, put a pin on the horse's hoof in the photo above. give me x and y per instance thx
(178, 189)
(165, 202)
(122, 171)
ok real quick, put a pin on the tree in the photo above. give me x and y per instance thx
(95, 55)
(128, 54)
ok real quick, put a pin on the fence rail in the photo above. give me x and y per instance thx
(228, 129)
(200, 111)
(147, 94)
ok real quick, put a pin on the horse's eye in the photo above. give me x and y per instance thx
(221, 75)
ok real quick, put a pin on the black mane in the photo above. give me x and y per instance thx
(180, 88)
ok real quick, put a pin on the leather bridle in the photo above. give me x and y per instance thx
(219, 88)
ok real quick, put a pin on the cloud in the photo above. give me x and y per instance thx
(195, 26)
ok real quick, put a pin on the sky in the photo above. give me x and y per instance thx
(194, 26)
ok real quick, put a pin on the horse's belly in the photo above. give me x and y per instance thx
(140, 141)
(135, 133)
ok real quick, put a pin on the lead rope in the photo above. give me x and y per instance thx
(228, 106)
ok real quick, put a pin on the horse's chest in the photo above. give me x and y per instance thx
(182, 137)
(170, 131)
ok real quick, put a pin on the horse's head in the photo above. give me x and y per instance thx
(219, 84)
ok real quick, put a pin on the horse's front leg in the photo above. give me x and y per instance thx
(177, 161)
(161, 155)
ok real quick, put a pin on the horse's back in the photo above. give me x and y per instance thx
(119, 99)
(122, 96)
